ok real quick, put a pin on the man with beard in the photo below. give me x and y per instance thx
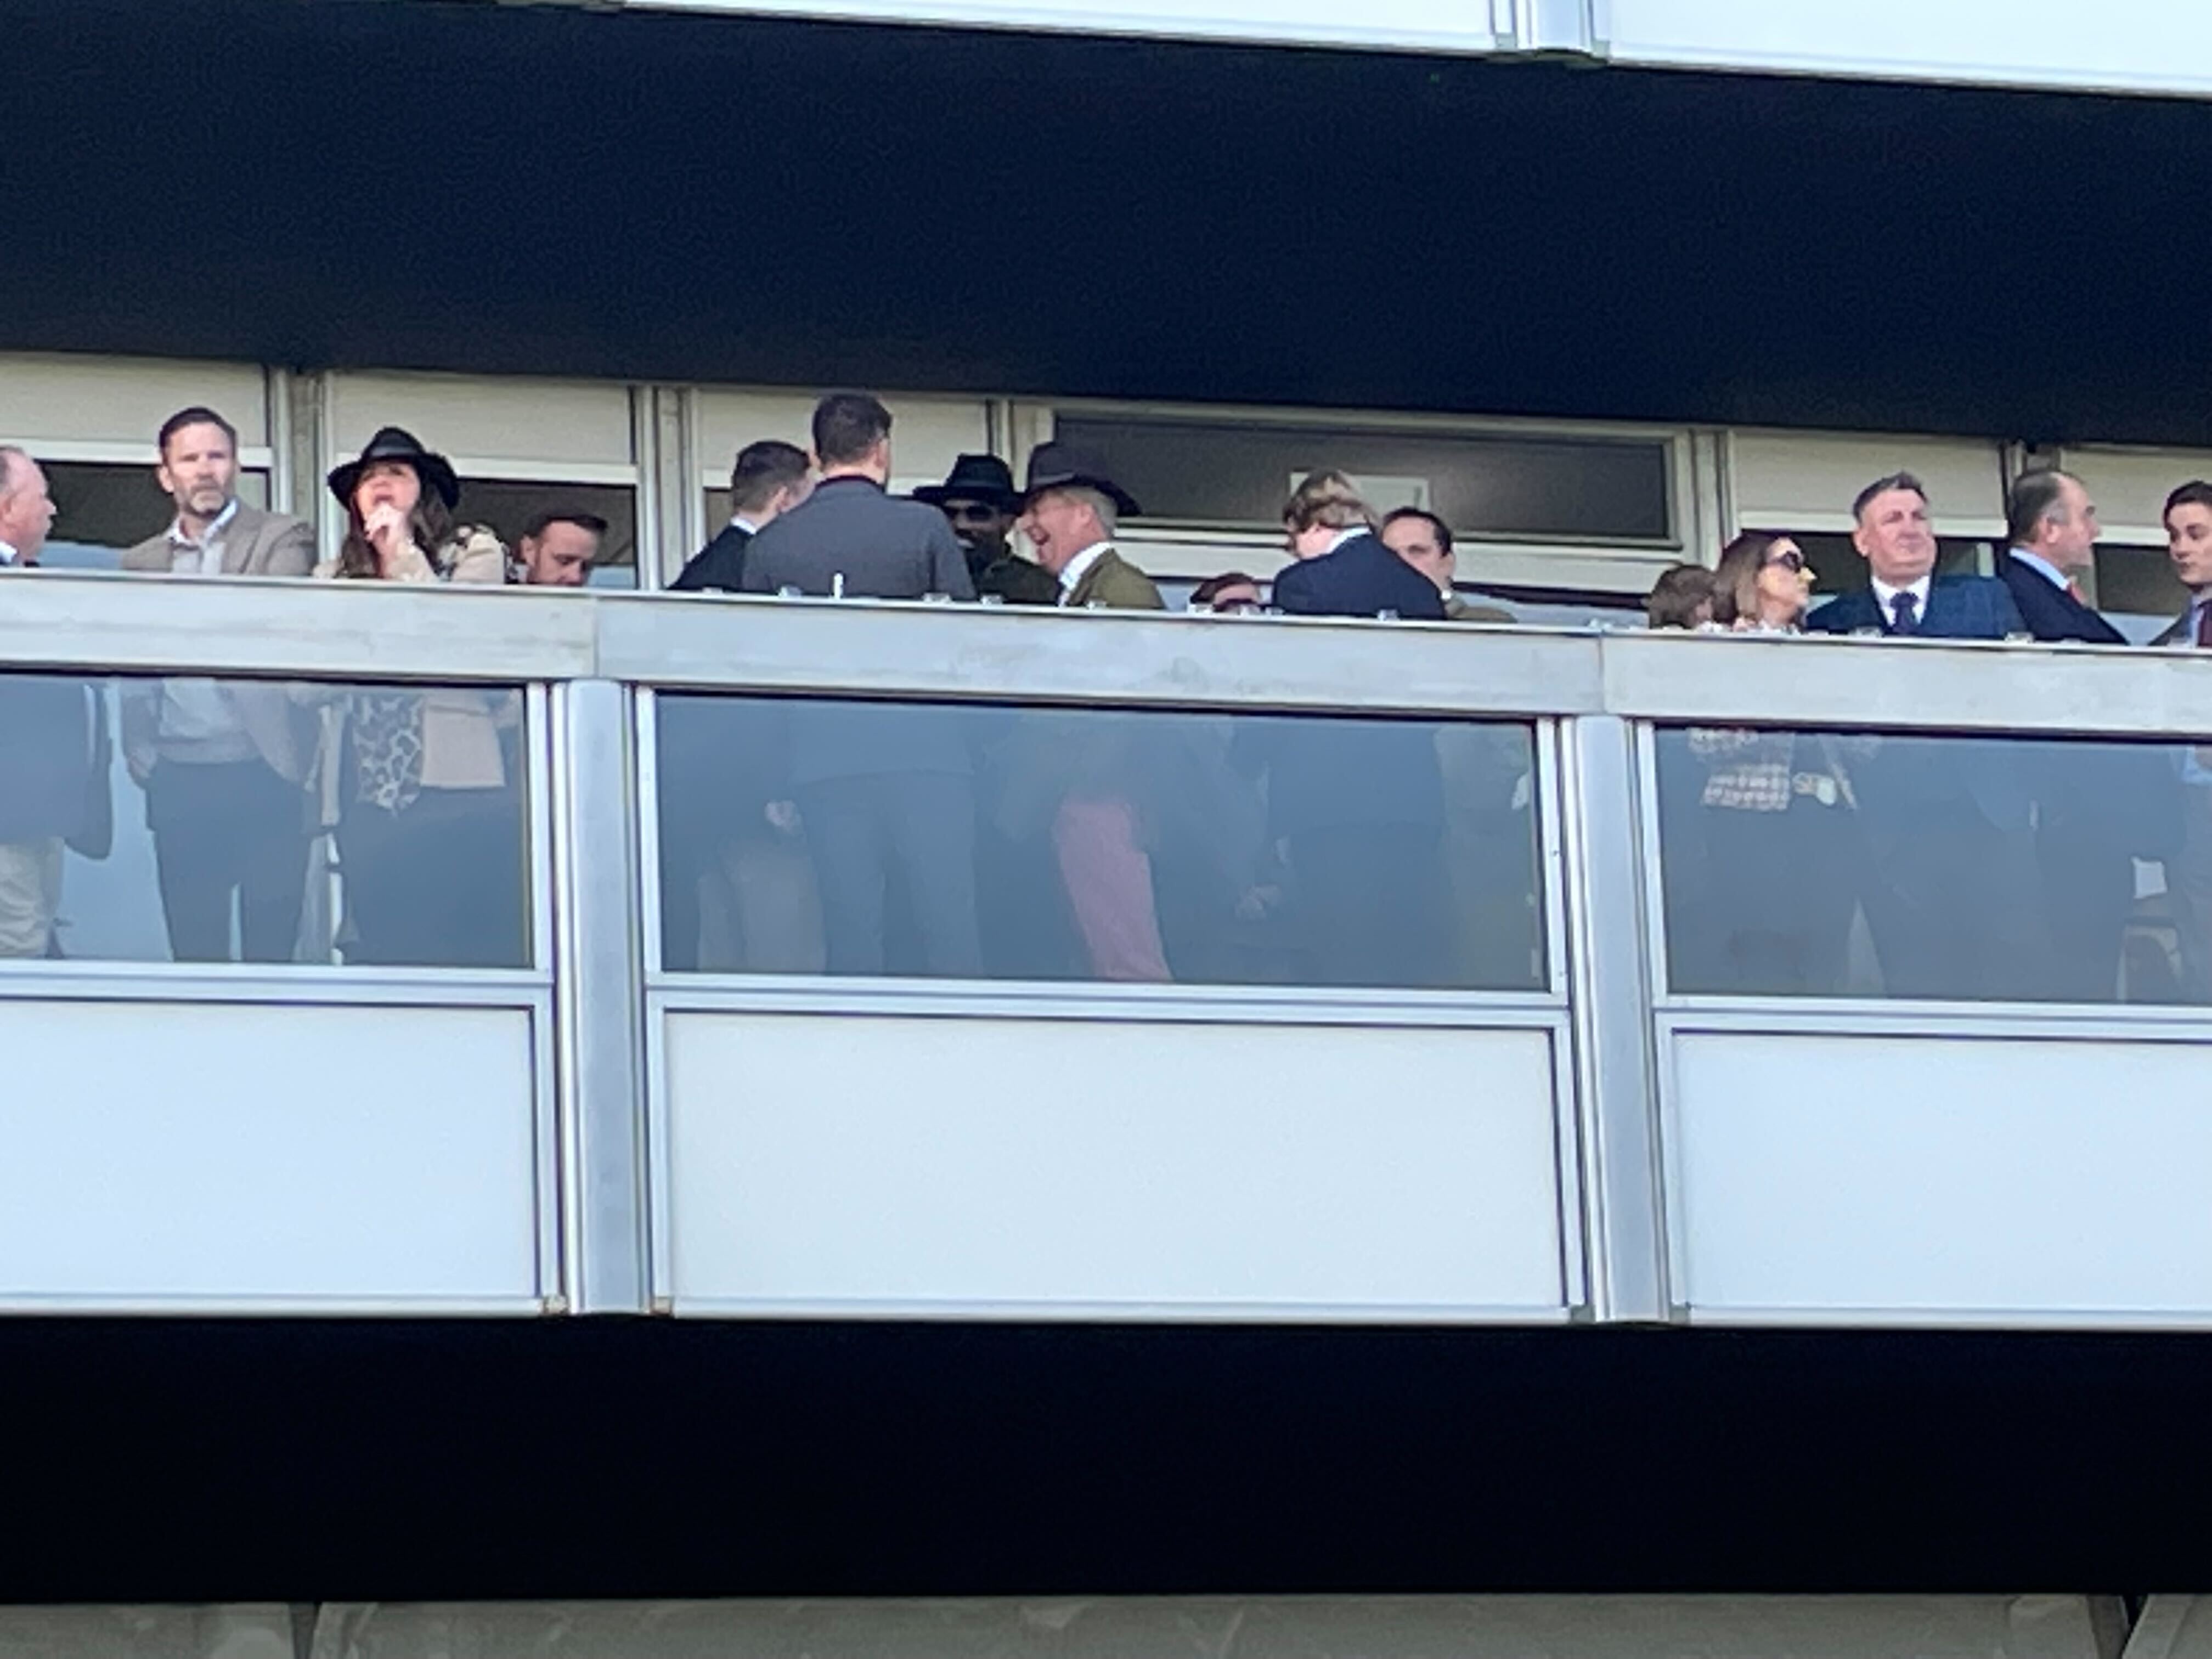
(980, 502)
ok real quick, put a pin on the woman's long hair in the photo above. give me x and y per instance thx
(1735, 578)
(431, 523)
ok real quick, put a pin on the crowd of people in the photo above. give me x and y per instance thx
(857, 838)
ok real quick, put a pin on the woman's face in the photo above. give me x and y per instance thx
(386, 483)
(1785, 581)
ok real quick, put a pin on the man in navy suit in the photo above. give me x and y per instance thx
(1358, 805)
(1954, 896)
(767, 479)
(2098, 806)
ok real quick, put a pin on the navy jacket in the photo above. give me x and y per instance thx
(1914, 781)
(719, 567)
(1361, 578)
(1958, 608)
(54, 750)
(2051, 612)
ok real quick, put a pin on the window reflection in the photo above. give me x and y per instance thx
(809, 836)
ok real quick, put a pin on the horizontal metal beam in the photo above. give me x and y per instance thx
(372, 631)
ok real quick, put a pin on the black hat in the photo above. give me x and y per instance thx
(1057, 465)
(393, 443)
(975, 479)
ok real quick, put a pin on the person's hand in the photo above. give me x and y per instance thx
(783, 815)
(386, 526)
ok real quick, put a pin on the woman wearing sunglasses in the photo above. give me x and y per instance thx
(1782, 833)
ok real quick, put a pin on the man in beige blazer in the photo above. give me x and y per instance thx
(221, 761)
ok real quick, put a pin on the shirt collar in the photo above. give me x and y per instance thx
(738, 521)
(2042, 567)
(1350, 533)
(216, 526)
(1080, 567)
(1885, 594)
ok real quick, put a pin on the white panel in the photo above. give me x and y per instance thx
(231, 1631)
(1230, 1627)
(1799, 481)
(48, 403)
(492, 428)
(1458, 26)
(219, 1151)
(1917, 1174)
(927, 433)
(2144, 44)
(2129, 487)
(854, 1159)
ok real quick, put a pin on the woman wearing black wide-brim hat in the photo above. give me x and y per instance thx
(420, 785)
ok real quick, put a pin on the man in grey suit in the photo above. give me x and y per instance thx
(885, 791)
(221, 761)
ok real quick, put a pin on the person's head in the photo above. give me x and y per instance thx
(198, 468)
(1681, 597)
(1231, 593)
(397, 484)
(1893, 532)
(1760, 579)
(853, 435)
(27, 511)
(2188, 533)
(559, 549)
(2049, 513)
(1064, 520)
(768, 478)
(1322, 508)
(980, 502)
(1423, 541)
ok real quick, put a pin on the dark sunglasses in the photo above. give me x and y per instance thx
(971, 512)
(1792, 561)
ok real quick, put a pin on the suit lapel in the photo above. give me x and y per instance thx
(1080, 596)
(238, 540)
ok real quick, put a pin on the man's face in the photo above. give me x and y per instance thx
(981, 526)
(561, 557)
(27, 511)
(1059, 526)
(2071, 546)
(1415, 541)
(199, 469)
(1894, 537)
(2189, 542)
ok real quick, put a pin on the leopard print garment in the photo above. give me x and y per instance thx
(386, 730)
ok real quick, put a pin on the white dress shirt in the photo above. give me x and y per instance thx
(196, 715)
(1080, 567)
(200, 555)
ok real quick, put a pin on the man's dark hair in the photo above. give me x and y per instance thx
(2195, 493)
(763, 468)
(2035, 496)
(1214, 586)
(1882, 487)
(198, 415)
(847, 426)
(591, 521)
(1444, 531)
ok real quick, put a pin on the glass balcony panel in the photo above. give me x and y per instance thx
(984, 842)
(222, 820)
(1936, 866)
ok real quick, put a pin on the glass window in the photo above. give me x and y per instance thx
(507, 506)
(1956, 868)
(218, 820)
(857, 838)
(1237, 473)
(2136, 586)
(101, 509)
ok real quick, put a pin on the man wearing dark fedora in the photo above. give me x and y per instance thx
(980, 502)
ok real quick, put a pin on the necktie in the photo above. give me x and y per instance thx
(1904, 612)
(2204, 627)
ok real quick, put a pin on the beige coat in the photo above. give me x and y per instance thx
(461, 725)
(254, 543)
